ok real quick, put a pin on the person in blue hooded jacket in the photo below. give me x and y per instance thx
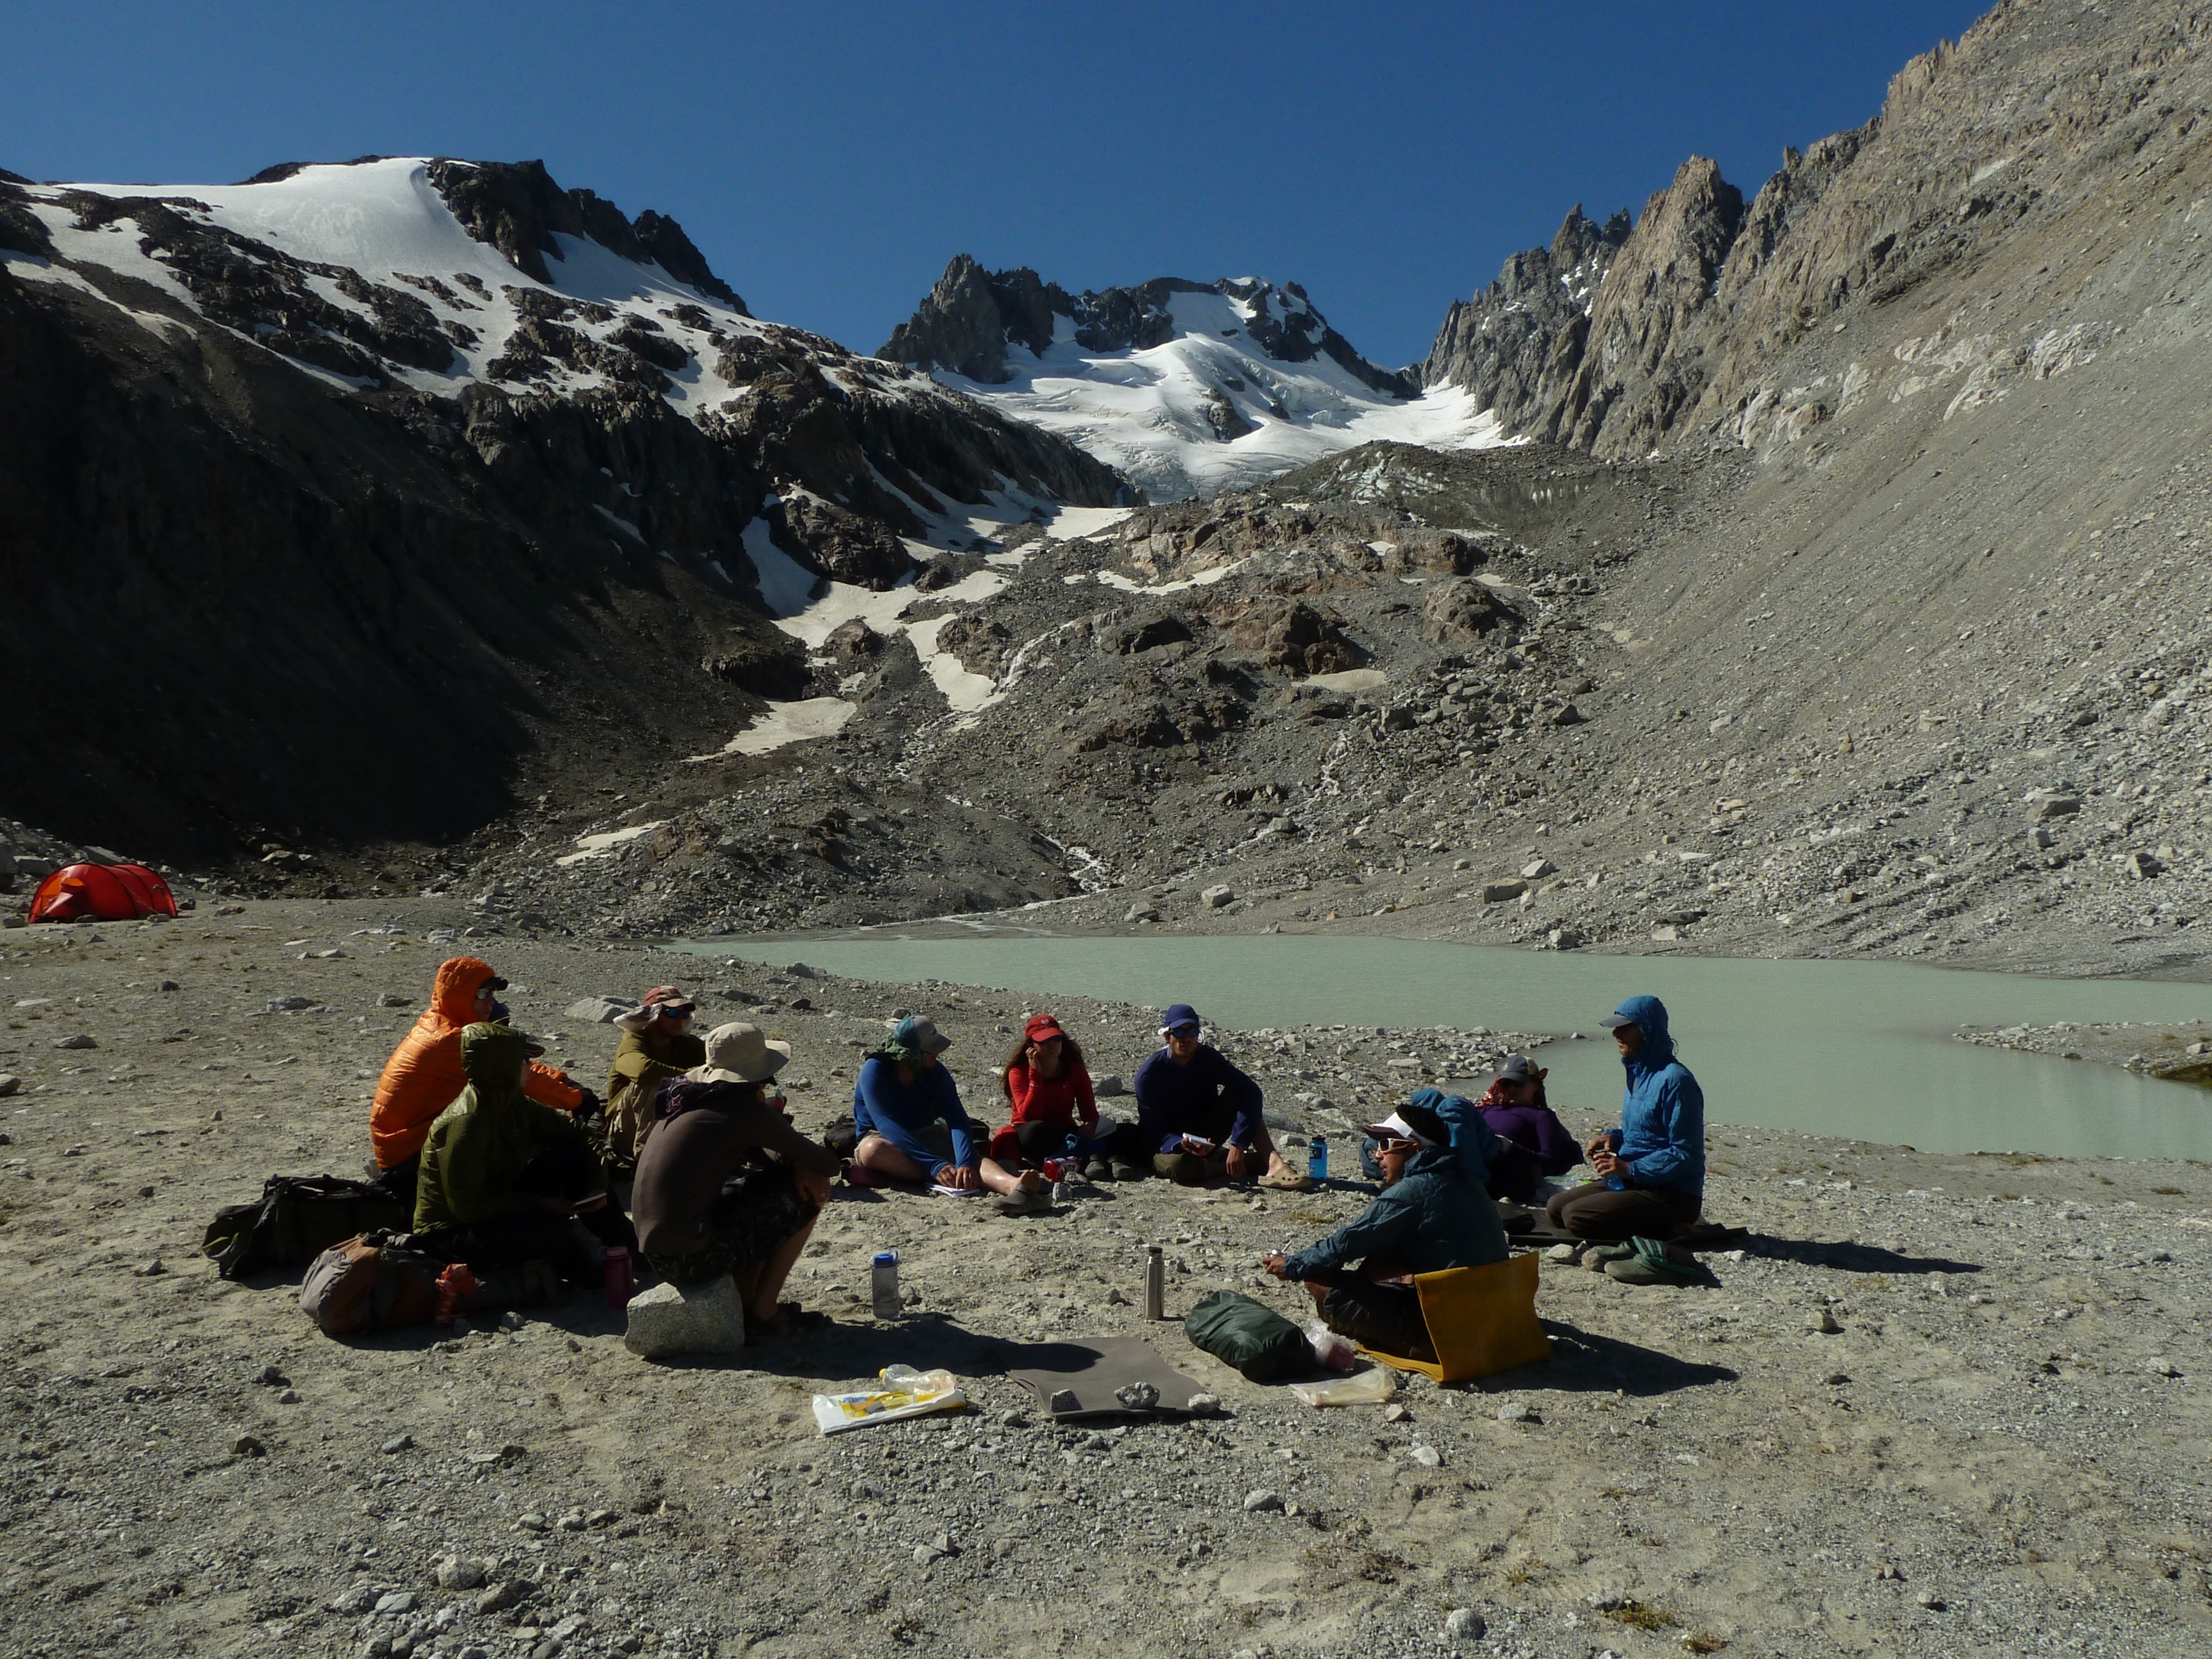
(1651, 1170)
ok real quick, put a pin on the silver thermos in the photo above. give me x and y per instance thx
(1156, 1282)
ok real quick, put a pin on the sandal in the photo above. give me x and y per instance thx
(1286, 1181)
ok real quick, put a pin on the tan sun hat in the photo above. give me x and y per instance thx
(737, 1053)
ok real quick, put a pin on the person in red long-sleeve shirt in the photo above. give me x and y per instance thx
(1048, 1087)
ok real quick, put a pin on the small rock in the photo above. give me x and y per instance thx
(1109, 1086)
(9, 1083)
(1823, 1321)
(1259, 1501)
(1221, 894)
(1539, 869)
(1203, 1405)
(246, 1445)
(290, 1005)
(1570, 715)
(1062, 1401)
(1141, 912)
(1930, 1600)
(1497, 892)
(2161, 1366)
(389, 1000)
(1013, 1420)
(1560, 1253)
(1393, 1412)
(1138, 1396)
(510, 1321)
(153, 1269)
(397, 1601)
(923, 1555)
(270, 1376)
(572, 1522)
(358, 1600)
(1517, 1411)
(501, 1597)
(1835, 1379)
(532, 1522)
(288, 1397)
(1427, 1456)
(1464, 1624)
(80, 1041)
(398, 1443)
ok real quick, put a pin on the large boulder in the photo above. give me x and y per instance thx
(672, 1320)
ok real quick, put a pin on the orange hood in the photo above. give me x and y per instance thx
(453, 998)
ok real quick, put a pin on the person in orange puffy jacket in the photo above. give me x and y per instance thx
(423, 1076)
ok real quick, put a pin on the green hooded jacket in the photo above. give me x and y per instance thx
(478, 1144)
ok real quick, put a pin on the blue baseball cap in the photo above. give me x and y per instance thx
(1180, 1016)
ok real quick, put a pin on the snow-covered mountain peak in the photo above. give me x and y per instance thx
(1190, 388)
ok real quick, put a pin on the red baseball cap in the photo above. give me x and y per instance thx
(1043, 1027)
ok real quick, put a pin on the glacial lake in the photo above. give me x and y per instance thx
(1858, 1049)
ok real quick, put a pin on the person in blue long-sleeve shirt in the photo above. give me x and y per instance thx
(907, 1111)
(1650, 1171)
(1199, 1117)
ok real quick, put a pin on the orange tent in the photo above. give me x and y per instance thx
(101, 892)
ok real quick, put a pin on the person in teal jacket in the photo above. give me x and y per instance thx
(1651, 1170)
(1431, 1215)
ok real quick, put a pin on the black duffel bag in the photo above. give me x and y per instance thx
(295, 1219)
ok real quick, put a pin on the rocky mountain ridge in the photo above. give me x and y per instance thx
(328, 460)
(1698, 319)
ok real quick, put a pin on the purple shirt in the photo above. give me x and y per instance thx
(1538, 1145)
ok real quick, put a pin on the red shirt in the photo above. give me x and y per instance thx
(1063, 1100)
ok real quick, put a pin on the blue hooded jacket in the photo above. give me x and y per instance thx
(1473, 1142)
(1662, 1138)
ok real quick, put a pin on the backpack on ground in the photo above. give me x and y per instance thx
(370, 1284)
(295, 1219)
(841, 1137)
(1257, 1341)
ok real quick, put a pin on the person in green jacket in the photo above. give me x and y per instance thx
(505, 1180)
(1431, 1215)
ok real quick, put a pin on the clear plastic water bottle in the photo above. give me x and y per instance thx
(882, 1281)
(1317, 1158)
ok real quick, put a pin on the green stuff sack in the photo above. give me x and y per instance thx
(1258, 1341)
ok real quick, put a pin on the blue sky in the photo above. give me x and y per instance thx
(829, 160)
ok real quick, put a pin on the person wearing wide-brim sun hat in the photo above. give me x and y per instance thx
(722, 1118)
(657, 1045)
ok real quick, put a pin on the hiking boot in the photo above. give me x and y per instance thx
(1099, 1169)
(1122, 1170)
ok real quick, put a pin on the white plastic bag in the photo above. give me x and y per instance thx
(1332, 1351)
(1372, 1387)
(906, 1393)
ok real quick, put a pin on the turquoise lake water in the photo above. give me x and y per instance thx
(1860, 1049)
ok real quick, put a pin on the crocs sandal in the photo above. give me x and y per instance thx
(1286, 1181)
(1598, 1257)
(1651, 1262)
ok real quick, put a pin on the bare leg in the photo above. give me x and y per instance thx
(879, 1156)
(761, 1283)
(999, 1179)
(1318, 1292)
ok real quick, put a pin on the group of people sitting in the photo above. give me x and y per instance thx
(507, 1160)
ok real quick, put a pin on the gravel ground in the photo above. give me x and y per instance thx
(1999, 1449)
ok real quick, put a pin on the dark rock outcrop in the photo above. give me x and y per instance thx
(517, 208)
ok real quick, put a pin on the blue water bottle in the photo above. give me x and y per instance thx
(1317, 1158)
(1614, 1183)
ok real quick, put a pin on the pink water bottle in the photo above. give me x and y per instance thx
(456, 1285)
(619, 1276)
(1052, 1169)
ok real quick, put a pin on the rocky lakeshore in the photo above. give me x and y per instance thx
(1934, 1404)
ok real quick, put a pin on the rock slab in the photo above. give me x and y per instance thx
(669, 1319)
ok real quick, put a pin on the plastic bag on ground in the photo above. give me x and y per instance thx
(1372, 1387)
(906, 1393)
(1332, 1351)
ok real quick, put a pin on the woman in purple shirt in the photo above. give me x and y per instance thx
(1536, 1146)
